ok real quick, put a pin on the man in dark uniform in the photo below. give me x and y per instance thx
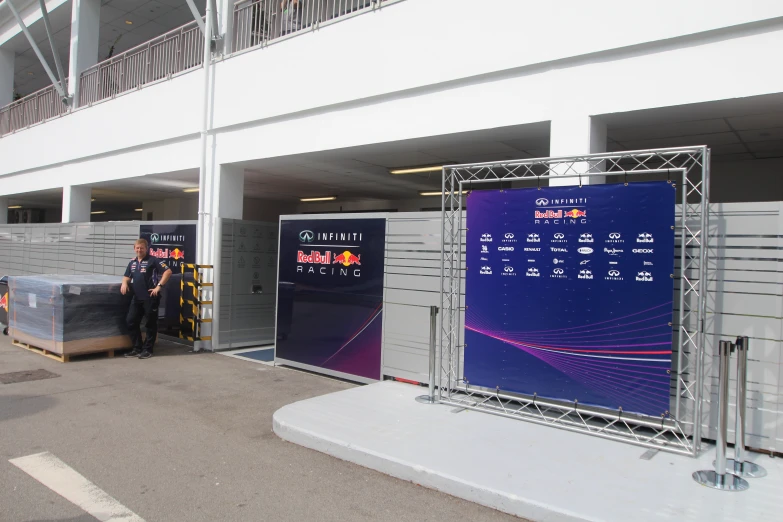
(145, 277)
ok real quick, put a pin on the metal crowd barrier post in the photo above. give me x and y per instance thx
(430, 397)
(737, 465)
(719, 478)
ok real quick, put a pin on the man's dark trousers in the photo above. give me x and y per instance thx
(148, 308)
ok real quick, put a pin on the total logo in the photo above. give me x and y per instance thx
(558, 273)
(613, 251)
(533, 238)
(558, 249)
(644, 276)
(644, 237)
(585, 238)
(508, 271)
(485, 270)
(585, 274)
(508, 237)
(486, 238)
(532, 272)
(642, 250)
(615, 237)
(585, 250)
(613, 275)
(505, 249)
(559, 238)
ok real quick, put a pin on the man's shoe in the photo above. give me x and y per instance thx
(145, 355)
(133, 353)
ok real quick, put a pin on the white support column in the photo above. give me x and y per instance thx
(85, 27)
(3, 210)
(223, 196)
(77, 204)
(6, 76)
(573, 135)
(226, 21)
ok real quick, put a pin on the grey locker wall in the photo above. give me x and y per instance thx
(412, 285)
(745, 297)
(67, 248)
(248, 265)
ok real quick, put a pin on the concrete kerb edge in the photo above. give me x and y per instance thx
(422, 476)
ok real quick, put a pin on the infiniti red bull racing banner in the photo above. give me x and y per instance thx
(330, 295)
(569, 294)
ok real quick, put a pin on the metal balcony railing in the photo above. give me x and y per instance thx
(160, 58)
(33, 108)
(257, 22)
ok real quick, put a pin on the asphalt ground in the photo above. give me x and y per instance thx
(188, 437)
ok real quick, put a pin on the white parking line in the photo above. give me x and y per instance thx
(66, 482)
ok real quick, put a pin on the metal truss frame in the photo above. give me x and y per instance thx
(680, 430)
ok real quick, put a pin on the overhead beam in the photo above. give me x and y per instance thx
(36, 50)
(196, 16)
(55, 52)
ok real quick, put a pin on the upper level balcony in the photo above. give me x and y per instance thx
(131, 64)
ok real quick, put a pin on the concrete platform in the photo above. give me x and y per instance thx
(535, 472)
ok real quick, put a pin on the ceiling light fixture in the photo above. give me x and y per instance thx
(439, 193)
(92, 199)
(191, 189)
(139, 209)
(128, 22)
(30, 74)
(417, 170)
(14, 206)
(324, 198)
(98, 212)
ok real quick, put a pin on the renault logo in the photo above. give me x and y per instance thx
(542, 202)
(306, 236)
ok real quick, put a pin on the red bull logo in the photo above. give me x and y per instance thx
(165, 253)
(177, 254)
(575, 213)
(347, 259)
(549, 214)
(315, 258)
(4, 302)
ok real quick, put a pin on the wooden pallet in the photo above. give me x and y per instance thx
(56, 356)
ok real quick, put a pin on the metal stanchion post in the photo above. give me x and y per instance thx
(719, 478)
(737, 465)
(430, 397)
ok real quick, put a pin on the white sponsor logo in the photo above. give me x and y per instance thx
(532, 272)
(584, 262)
(644, 237)
(486, 238)
(613, 251)
(485, 270)
(533, 238)
(558, 249)
(505, 249)
(531, 260)
(558, 273)
(585, 238)
(529, 249)
(542, 202)
(585, 274)
(509, 235)
(559, 235)
(484, 249)
(508, 271)
(613, 275)
(612, 262)
(648, 263)
(484, 259)
(642, 250)
(644, 276)
(615, 237)
(557, 261)
(585, 250)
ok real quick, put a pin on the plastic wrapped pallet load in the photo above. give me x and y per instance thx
(68, 314)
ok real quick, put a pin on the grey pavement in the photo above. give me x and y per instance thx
(188, 437)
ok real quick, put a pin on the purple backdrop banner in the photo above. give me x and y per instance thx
(330, 294)
(569, 293)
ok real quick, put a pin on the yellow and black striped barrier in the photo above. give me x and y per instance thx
(190, 324)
